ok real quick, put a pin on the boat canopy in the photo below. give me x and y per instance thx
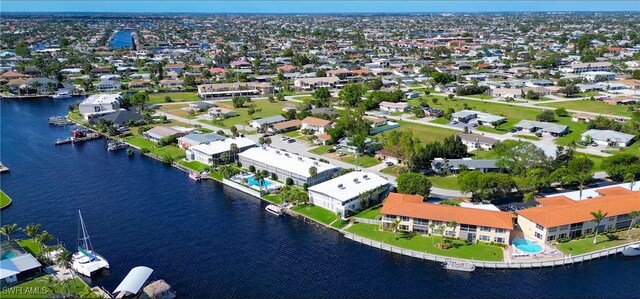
(134, 281)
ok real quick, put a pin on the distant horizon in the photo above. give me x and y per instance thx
(317, 7)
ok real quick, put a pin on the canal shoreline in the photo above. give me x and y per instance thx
(542, 263)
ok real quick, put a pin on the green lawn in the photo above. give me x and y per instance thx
(529, 137)
(585, 245)
(273, 198)
(292, 134)
(440, 120)
(445, 182)
(158, 98)
(424, 132)
(393, 170)
(302, 97)
(41, 288)
(427, 244)
(595, 107)
(489, 129)
(268, 109)
(30, 246)
(5, 200)
(481, 96)
(577, 128)
(317, 213)
(370, 213)
(172, 151)
(364, 161)
(320, 150)
(194, 165)
(506, 110)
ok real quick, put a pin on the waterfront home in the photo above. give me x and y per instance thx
(140, 84)
(99, 104)
(157, 133)
(16, 264)
(550, 129)
(120, 118)
(316, 125)
(206, 152)
(608, 137)
(474, 141)
(267, 121)
(287, 165)
(560, 217)
(108, 85)
(192, 139)
(471, 224)
(287, 126)
(11, 75)
(391, 107)
(348, 193)
(440, 165)
(212, 91)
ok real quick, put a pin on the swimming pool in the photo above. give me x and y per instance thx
(251, 181)
(7, 255)
(527, 246)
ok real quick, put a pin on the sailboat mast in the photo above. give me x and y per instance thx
(85, 235)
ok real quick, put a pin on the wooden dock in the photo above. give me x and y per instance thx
(72, 140)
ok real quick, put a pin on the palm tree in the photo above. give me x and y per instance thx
(227, 171)
(212, 161)
(64, 261)
(597, 218)
(233, 149)
(452, 224)
(634, 215)
(9, 229)
(259, 177)
(313, 171)
(234, 131)
(431, 228)
(631, 178)
(440, 229)
(43, 238)
(394, 227)
(32, 230)
(87, 293)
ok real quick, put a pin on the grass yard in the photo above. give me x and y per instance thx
(42, 287)
(445, 182)
(393, 170)
(5, 200)
(320, 150)
(30, 246)
(158, 98)
(528, 137)
(317, 213)
(339, 223)
(595, 107)
(577, 128)
(424, 132)
(480, 96)
(364, 161)
(370, 213)
(268, 109)
(428, 244)
(172, 151)
(293, 134)
(585, 245)
(273, 198)
(194, 165)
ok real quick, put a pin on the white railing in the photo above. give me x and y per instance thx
(367, 220)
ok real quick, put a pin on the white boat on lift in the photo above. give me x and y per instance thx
(61, 94)
(631, 250)
(86, 261)
(274, 209)
(459, 266)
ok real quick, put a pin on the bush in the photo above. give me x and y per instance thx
(565, 240)
(274, 176)
(252, 168)
(305, 186)
(168, 99)
(144, 150)
(289, 181)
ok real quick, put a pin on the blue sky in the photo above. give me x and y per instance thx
(309, 6)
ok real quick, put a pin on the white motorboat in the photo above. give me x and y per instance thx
(62, 94)
(631, 250)
(459, 266)
(274, 209)
(86, 261)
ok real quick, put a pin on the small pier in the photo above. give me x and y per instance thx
(73, 140)
(60, 121)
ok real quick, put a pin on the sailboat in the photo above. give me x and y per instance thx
(86, 261)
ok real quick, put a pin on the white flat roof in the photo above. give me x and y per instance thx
(488, 207)
(102, 98)
(350, 185)
(221, 146)
(286, 161)
(592, 193)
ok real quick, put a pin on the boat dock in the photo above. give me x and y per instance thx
(60, 121)
(73, 140)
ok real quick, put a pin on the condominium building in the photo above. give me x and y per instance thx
(473, 224)
(346, 194)
(212, 91)
(578, 68)
(287, 165)
(560, 217)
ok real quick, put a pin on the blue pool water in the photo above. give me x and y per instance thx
(211, 241)
(7, 255)
(254, 182)
(526, 245)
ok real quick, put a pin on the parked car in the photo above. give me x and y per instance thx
(291, 140)
(594, 144)
(389, 163)
(285, 137)
(538, 134)
(341, 154)
(513, 130)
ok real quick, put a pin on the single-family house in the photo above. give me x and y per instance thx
(344, 195)
(317, 125)
(391, 107)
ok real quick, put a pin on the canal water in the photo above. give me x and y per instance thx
(122, 39)
(208, 240)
